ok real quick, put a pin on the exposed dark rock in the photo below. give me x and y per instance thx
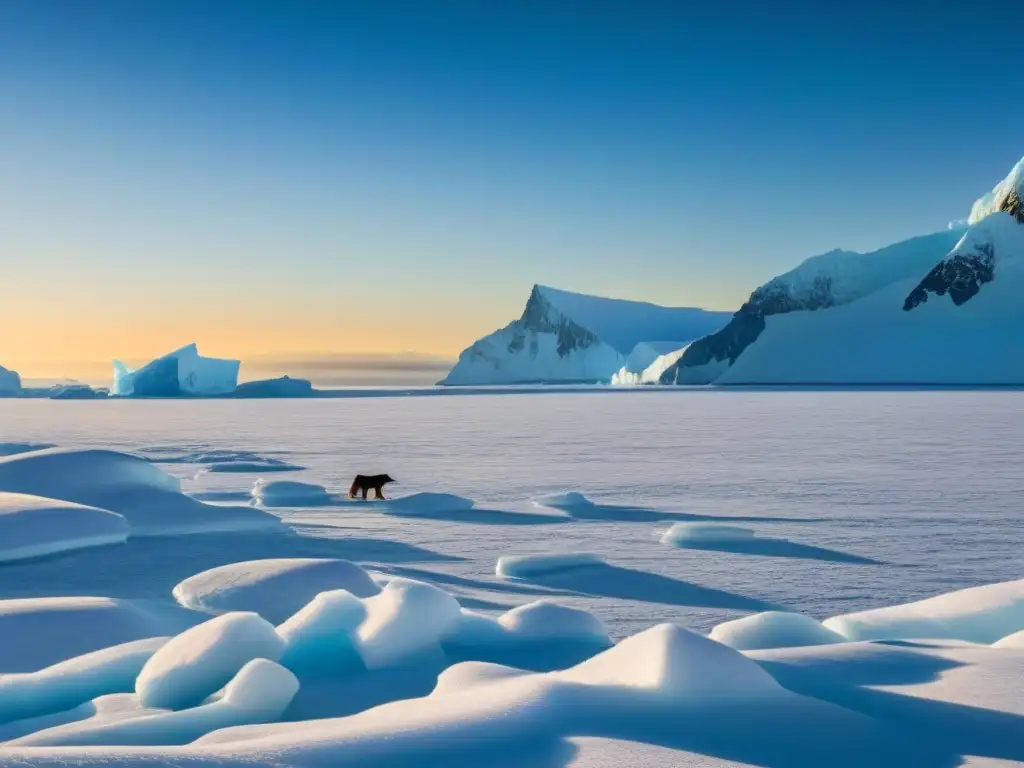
(960, 275)
(537, 316)
(1014, 206)
(773, 298)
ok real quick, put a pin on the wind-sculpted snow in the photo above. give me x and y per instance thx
(562, 500)
(31, 526)
(978, 614)
(201, 660)
(289, 493)
(67, 684)
(426, 504)
(525, 566)
(273, 588)
(147, 497)
(259, 693)
(40, 632)
(571, 337)
(682, 534)
(774, 629)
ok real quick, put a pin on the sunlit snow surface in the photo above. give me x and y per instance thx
(857, 501)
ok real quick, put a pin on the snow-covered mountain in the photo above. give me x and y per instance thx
(831, 279)
(10, 382)
(571, 337)
(925, 311)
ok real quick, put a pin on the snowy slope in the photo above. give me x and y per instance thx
(829, 280)
(961, 323)
(565, 337)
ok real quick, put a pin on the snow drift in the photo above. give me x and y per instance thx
(571, 337)
(31, 526)
(289, 493)
(147, 497)
(274, 588)
(181, 372)
(978, 614)
(774, 629)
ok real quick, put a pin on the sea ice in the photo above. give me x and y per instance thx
(774, 629)
(289, 493)
(273, 588)
(978, 614)
(147, 497)
(425, 504)
(31, 526)
(201, 660)
(259, 693)
(408, 618)
(524, 566)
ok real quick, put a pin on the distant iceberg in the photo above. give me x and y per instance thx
(10, 382)
(182, 372)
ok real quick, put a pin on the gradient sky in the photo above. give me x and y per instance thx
(285, 180)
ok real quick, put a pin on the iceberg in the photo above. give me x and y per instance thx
(574, 338)
(10, 382)
(181, 372)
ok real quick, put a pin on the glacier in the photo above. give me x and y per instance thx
(181, 372)
(565, 337)
(889, 317)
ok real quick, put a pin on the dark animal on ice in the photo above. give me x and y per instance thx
(364, 483)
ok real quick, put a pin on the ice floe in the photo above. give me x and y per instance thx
(289, 493)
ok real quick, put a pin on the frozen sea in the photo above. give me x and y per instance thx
(858, 498)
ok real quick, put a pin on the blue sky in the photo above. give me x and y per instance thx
(313, 178)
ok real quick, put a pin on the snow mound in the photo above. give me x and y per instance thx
(69, 683)
(181, 372)
(289, 493)
(979, 615)
(681, 534)
(424, 504)
(672, 662)
(31, 526)
(320, 635)
(147, 497)
(774, 629)
(1016, 640)
(406, 620)
(524, 566)
(11, 449)
(547, 620)
(259, 693)
(274, 588)
(201, 660)
(43, 631)
(571, 337)
(562, 500)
